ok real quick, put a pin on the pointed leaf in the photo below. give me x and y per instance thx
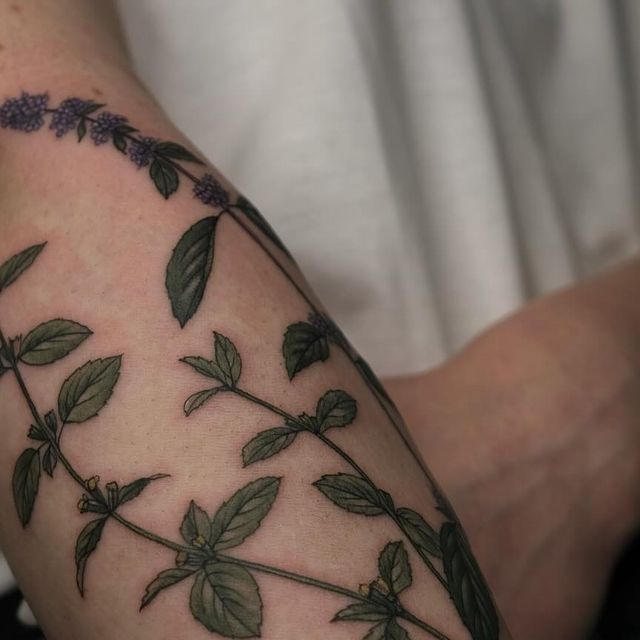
(204, 367)
(226, 600)
(15, 266)
(259, 220)
(190, 267)
(303, 345)
(243, 513)
(394, 631)
(51, 341)
(227, 358)
(85, 546)
(268, 443)
(351, 493)
(467, 587)
(196, 400)
(135, 488)
(164, 176)
(163, 580)
(420, 532)
(176, 151)
(81, 129)
(377, 632)
(49, 460)
(394, 568)
(335, 409)
(363, 612)
(26, 478)
(196, 523)
(88, 389)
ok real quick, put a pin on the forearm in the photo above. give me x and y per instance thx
(144, 266)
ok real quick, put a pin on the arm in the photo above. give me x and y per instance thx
(287, 496)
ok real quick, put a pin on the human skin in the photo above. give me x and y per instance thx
(112, 274)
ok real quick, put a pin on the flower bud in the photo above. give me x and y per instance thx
(83, 503)
(363, 590)
(181, 558)
(199, 541)
(92, 483)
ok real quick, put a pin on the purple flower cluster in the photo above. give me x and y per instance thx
(67, 115)
(25, 113)
(209, 191)
(141, 150)
(327, 327)
(103, 126)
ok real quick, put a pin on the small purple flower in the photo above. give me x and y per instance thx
(25, 113)
(104, 125)
(210, 191)
(319, 321)
(67, 115)
(141, 151)
(327, 327)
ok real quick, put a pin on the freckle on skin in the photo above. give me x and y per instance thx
(16, 8)
(96, 91)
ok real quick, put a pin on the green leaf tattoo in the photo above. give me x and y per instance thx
(335, 409)
(163, 580)
(303, 345)
(165, 177)
(51, 341)
(26, 478)
(15, 266)
(85, 545)
(268, 443)
(394, 568)
(228, 359)
(189, 268)
(351, 493)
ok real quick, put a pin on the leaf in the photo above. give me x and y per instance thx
(87, 390)
(335, 409)
(163, 580)
(363, 612)
(196, 523)
(420, 532)
(196, 400)
(467, 587)
(26, 478)
(15, 266)
(190, 267)
(227, 358)
(120, 142)
(49, 460)
(377, 632)
(303, 345)
(85, 546)
(203, 366)
(51, 341)
(165, 177)
(82, 129)
(176, 152)
(394, 631)
(243, 513)
(394, 568)
(268, 443)
(259, 220)
(372, 380)
(135, 488)
(351, 493)
(226, 600)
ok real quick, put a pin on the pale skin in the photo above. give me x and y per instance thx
(518, 428)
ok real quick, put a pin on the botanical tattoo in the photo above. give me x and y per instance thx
(442, 548)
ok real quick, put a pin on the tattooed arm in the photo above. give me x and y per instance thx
(185, 431)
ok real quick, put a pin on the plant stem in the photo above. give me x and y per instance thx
(352, 463)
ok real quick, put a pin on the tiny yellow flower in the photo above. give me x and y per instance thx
(381, 585)
(198, 541)
(363, 590)
(92, 483)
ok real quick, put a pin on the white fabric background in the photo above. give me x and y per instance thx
(431, 163)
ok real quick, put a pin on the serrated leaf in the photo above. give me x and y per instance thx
(227, 358)
(394, 568)
(51, 341)
(135, 488)
(336, 408)
(268, 443)
(49, 460)
(163, 580)
(259, 220)
(15, 266)
(226, 600)
(85, 546)
(165, 177)
(419, 531)
(303, 345)
(351, 493)
(26, 478)
(88, 389)
(363, 612)
(203, 366)
(176, 152)
(190, 267)
(196, 523)
(196, 400)
(467, 587)
(243, 513)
